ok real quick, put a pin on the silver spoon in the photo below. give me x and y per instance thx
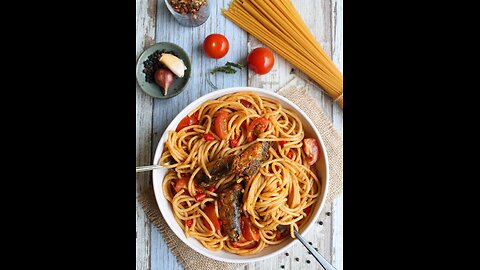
(326, 265)
(148, 168)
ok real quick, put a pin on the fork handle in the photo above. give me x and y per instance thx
(326, 265)
(148, 168)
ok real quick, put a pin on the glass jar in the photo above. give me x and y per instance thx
(189, 12)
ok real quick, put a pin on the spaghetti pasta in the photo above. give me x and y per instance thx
(278, 25)
(273, 202)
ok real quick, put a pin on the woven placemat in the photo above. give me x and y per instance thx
(192, 260)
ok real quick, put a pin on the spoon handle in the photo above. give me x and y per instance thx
(148, 168)
(326, 265)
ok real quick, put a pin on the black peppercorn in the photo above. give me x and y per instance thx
(152, 64)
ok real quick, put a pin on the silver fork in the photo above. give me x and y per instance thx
(148, 168)
(325, 264)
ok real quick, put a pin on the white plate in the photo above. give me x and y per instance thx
(270, 251)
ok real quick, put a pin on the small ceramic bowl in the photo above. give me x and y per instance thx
(178, 84)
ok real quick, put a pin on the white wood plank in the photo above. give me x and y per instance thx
(321, 17)
(191, 40)
(145, 35)
(337, 25)
(318, 16)
(161, 255)
(337, 233)
(337, 208)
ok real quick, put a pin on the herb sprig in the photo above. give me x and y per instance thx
(227, 68)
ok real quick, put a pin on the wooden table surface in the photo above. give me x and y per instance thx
(154, 24)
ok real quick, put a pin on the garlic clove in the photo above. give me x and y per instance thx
(173, 63)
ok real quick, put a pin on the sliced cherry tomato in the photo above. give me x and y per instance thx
(290, 154)
(195, 115)
(212, 215)
(216, 46)
(234, 141)
(241, 240)
(252, 244)
(245, 103)
(260, 60)
(181, 183)
(187, 121)
(281, 143)
(258, 126)
(200, 196)
(310, 146)
(249, 231)
(189, 222)
(208, 137)
(307, 210)
(198, 189)
(211, 188)
(220, 125)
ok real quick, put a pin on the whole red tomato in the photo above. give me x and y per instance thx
(216, 46)
(260, 60)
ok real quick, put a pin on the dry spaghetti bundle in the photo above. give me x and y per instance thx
(278, 25)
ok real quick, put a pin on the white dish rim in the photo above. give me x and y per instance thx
(157, 183)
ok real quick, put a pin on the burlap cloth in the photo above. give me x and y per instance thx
(192, 260)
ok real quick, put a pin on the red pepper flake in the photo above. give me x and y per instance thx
(245, 103)
(244, 124)
(208, 137)
(234, 141)
(187, 6)
(189, 222)
(281, 143)
(211, 188)
(200, 196)
(290, 154)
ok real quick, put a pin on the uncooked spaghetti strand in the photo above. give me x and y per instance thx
(293, 37)
(295, 18)
(308, 49)
(327, 85)
(274, 31)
